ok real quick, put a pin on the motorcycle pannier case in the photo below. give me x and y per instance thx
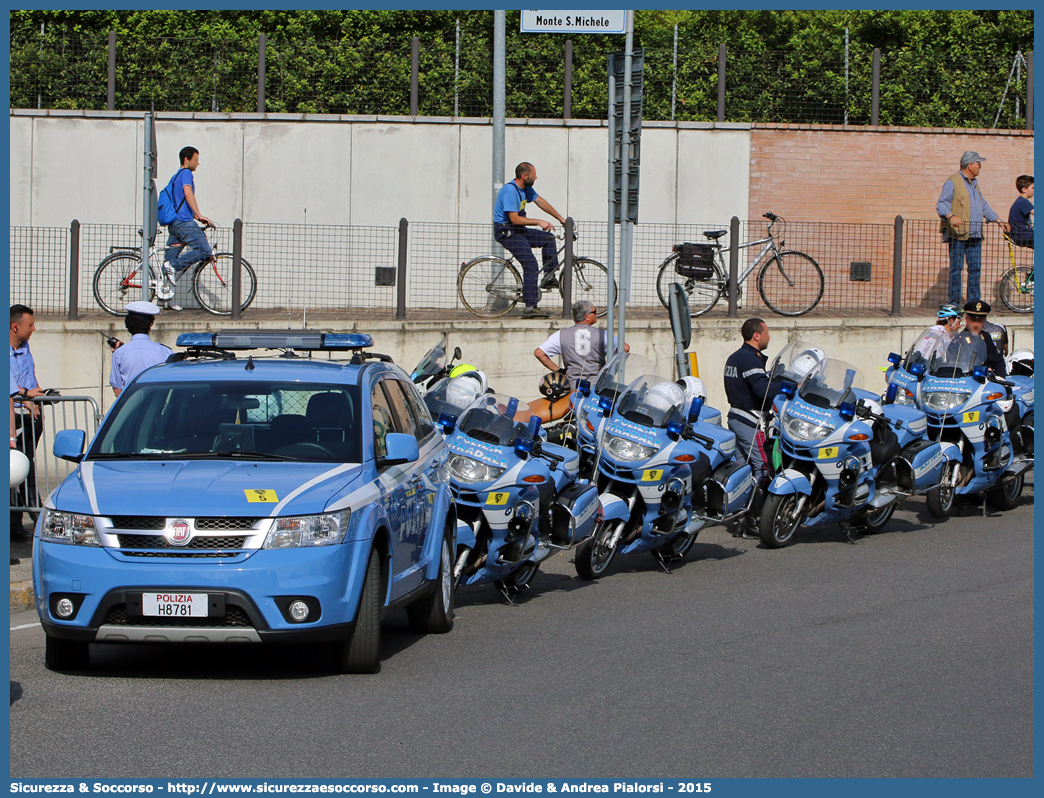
(574, 514)
(728, 488)
(695, 261)
(920, 466)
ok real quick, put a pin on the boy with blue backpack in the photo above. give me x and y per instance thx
(178, 210)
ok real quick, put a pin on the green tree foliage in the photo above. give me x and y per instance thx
(940, 68)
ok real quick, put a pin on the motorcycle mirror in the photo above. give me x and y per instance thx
(695, 408)
(447, 422)
(894, 358)
(918, 370)
(788, 388)
(584, 387)
(456, 353)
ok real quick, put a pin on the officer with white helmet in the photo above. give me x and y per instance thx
(693, 387)
(1020, 363)
(807, 361)
(462, 391)
(141, 352)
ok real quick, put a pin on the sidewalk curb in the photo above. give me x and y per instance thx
(22, 597)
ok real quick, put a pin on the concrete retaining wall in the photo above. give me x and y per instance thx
(73, 357)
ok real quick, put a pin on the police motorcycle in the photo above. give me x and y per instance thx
(841, 457)
(987, 418)
(648, 458)
(434, 366)
(517, 497)
(592, 403)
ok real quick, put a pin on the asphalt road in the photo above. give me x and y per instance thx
(908, 654)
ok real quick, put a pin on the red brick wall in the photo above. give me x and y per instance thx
(825, 173)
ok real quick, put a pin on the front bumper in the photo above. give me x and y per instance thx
(248, 598)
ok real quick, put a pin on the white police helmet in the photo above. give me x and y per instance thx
(1020, 363)
(665, 396)
(807, 361)
(19, 467)
(693, 387)
(467, 370)
(462, 391)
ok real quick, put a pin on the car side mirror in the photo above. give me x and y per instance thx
(400, 448)
(68, 445)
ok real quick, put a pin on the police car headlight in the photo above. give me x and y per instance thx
(467, 469)
(68, 528)
(804, 430)
(626, 449)
(327, 529)
(945, 400)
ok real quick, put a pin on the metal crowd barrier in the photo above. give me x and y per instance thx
(57, 413)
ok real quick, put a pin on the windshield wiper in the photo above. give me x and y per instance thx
(251, 453)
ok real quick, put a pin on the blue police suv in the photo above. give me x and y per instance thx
(244, 499)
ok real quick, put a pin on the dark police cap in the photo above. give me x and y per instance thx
(977, 307)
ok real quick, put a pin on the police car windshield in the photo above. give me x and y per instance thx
(233, 420)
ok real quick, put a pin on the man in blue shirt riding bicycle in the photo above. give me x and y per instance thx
(514, 231)
(184, 230)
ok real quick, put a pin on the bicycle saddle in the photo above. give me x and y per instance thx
(714, 235)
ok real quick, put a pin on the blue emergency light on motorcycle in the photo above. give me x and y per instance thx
(447, 422)
(979, 373)
(512, 407)
(584, 387)
(788, 388)
(890, 394)
(523, 447)
(894, 358)
(675, 428)
(917, 369)
(605, 403)
(695, 408)
(533, 426)
(846, 410)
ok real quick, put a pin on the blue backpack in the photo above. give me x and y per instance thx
(166, 210)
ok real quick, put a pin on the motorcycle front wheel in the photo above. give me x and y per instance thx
(940, 498)
(594, 554)
(779, 520)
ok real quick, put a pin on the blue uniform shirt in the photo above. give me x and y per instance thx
(133, 358)
(512, 199)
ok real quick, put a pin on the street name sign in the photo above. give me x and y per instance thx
(574, 21)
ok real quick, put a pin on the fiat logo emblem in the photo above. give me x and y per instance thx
(178, 533)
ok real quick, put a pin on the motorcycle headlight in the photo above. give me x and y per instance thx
(68, 528)
(904, 397)
(804, 430)
(327, 529)
(626, 449)
(945, 400)
(467, 469)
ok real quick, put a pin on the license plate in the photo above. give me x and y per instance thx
(175, 605)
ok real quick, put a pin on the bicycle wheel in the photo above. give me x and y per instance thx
(489, 286)
(117, 281)
(793, 280)
(1016, 289)
(212, 285)
(702, 294)
(591, 282)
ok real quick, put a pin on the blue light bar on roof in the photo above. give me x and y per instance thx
(306, 340)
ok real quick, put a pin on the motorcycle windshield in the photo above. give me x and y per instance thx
(497, 419)
(653, 401)
(795, 360)
(934, 339)
(831, 383)
(958, 357)
(432, 363)
(620, 372)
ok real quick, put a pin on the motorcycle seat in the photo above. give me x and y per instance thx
(546, 411)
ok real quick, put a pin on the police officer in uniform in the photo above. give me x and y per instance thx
(749, 392)
(132, 358)
(974, 322)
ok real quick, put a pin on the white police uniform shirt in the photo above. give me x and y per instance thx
(133, 358)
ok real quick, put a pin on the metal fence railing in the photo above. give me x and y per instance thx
(36, 437)
(385, 272)
(453, 76)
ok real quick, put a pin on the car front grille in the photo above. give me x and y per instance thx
(223, 543)
(235, 617)
(151, 523)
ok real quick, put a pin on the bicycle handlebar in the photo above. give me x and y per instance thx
(770, 216)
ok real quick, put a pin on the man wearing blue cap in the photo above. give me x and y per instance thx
(961, 208)
(132, 358)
